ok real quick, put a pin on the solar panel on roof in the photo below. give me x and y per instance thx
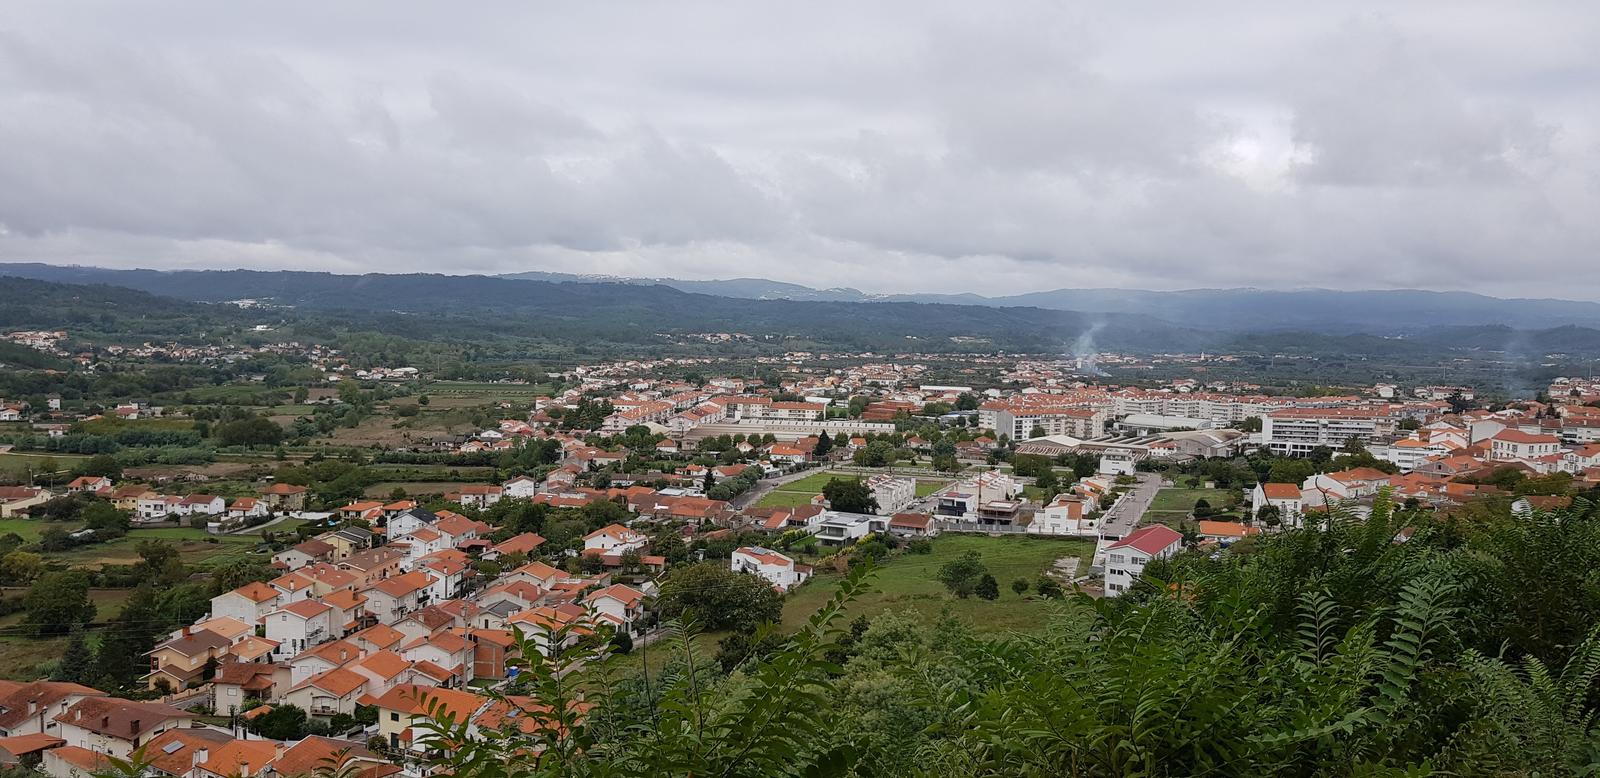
(173, 747)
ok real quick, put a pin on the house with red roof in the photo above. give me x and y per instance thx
(1127, 558)
(616, 538)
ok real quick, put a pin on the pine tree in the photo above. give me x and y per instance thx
(126, 640)
(77, 663)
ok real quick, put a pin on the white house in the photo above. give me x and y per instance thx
(328, 693)
(249, 603)
(111, 725)
(1512, 444)
(520, 487)
(410, 521)
(1286, 497)
(1066, 515)
(836, 528)
(779, 570)
(298, 626)
(1581, 459)
(621, 605)
(614, 538)
(1126, 558)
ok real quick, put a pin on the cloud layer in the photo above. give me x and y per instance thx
(909, 146)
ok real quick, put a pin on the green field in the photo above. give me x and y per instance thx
(906, 583)
(191, 546)
(485, 388)
(31, 529)
(1171, 504)
(800, 492)
(381, 490)
(785, 499)
(20, 466)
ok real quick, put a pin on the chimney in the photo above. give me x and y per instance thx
(200, 756)
(105, 722)
(134, 726)
(186, 632)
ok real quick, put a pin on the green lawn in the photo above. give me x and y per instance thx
(906, 582)
(785, 499)
(813, 483)
(1181, 501)
(800, 492)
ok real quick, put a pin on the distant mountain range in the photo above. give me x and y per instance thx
(1382, 312)
(1403, 324)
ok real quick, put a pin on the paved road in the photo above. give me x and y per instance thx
(1125, 515)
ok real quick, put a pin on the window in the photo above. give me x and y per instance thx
(394, 716)
(1118, 559)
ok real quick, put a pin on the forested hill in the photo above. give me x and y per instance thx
(630, 313)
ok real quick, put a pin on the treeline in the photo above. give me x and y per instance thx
(1403, 645)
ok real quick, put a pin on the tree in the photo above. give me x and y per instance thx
(19, 567)
(77, 662)
(106, 520)
(717, 598)
(251, 432)
(1202, 508)
(101, 464)
(57, 603)
(283, 722)
(824, 445)
(127, 639)
(1020, 586)
(850, 495)
(961, 575)
(1270, 515)
(875, 454)
(1048, 588)
(987, 587)
(1048, 485)
(236, 573)
(1250, 424)
(159, 562)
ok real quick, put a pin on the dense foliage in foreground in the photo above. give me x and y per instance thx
(1467, 649)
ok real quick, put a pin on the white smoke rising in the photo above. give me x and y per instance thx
(1084, 353)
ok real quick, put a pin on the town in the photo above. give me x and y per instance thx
(310, 578)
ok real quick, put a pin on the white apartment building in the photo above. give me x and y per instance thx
(1512, 444)
(1296, 431)
(1018, 418)
(893, 493)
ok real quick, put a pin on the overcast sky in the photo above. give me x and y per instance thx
(996, 147)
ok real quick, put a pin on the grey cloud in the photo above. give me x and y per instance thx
(897, 147)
